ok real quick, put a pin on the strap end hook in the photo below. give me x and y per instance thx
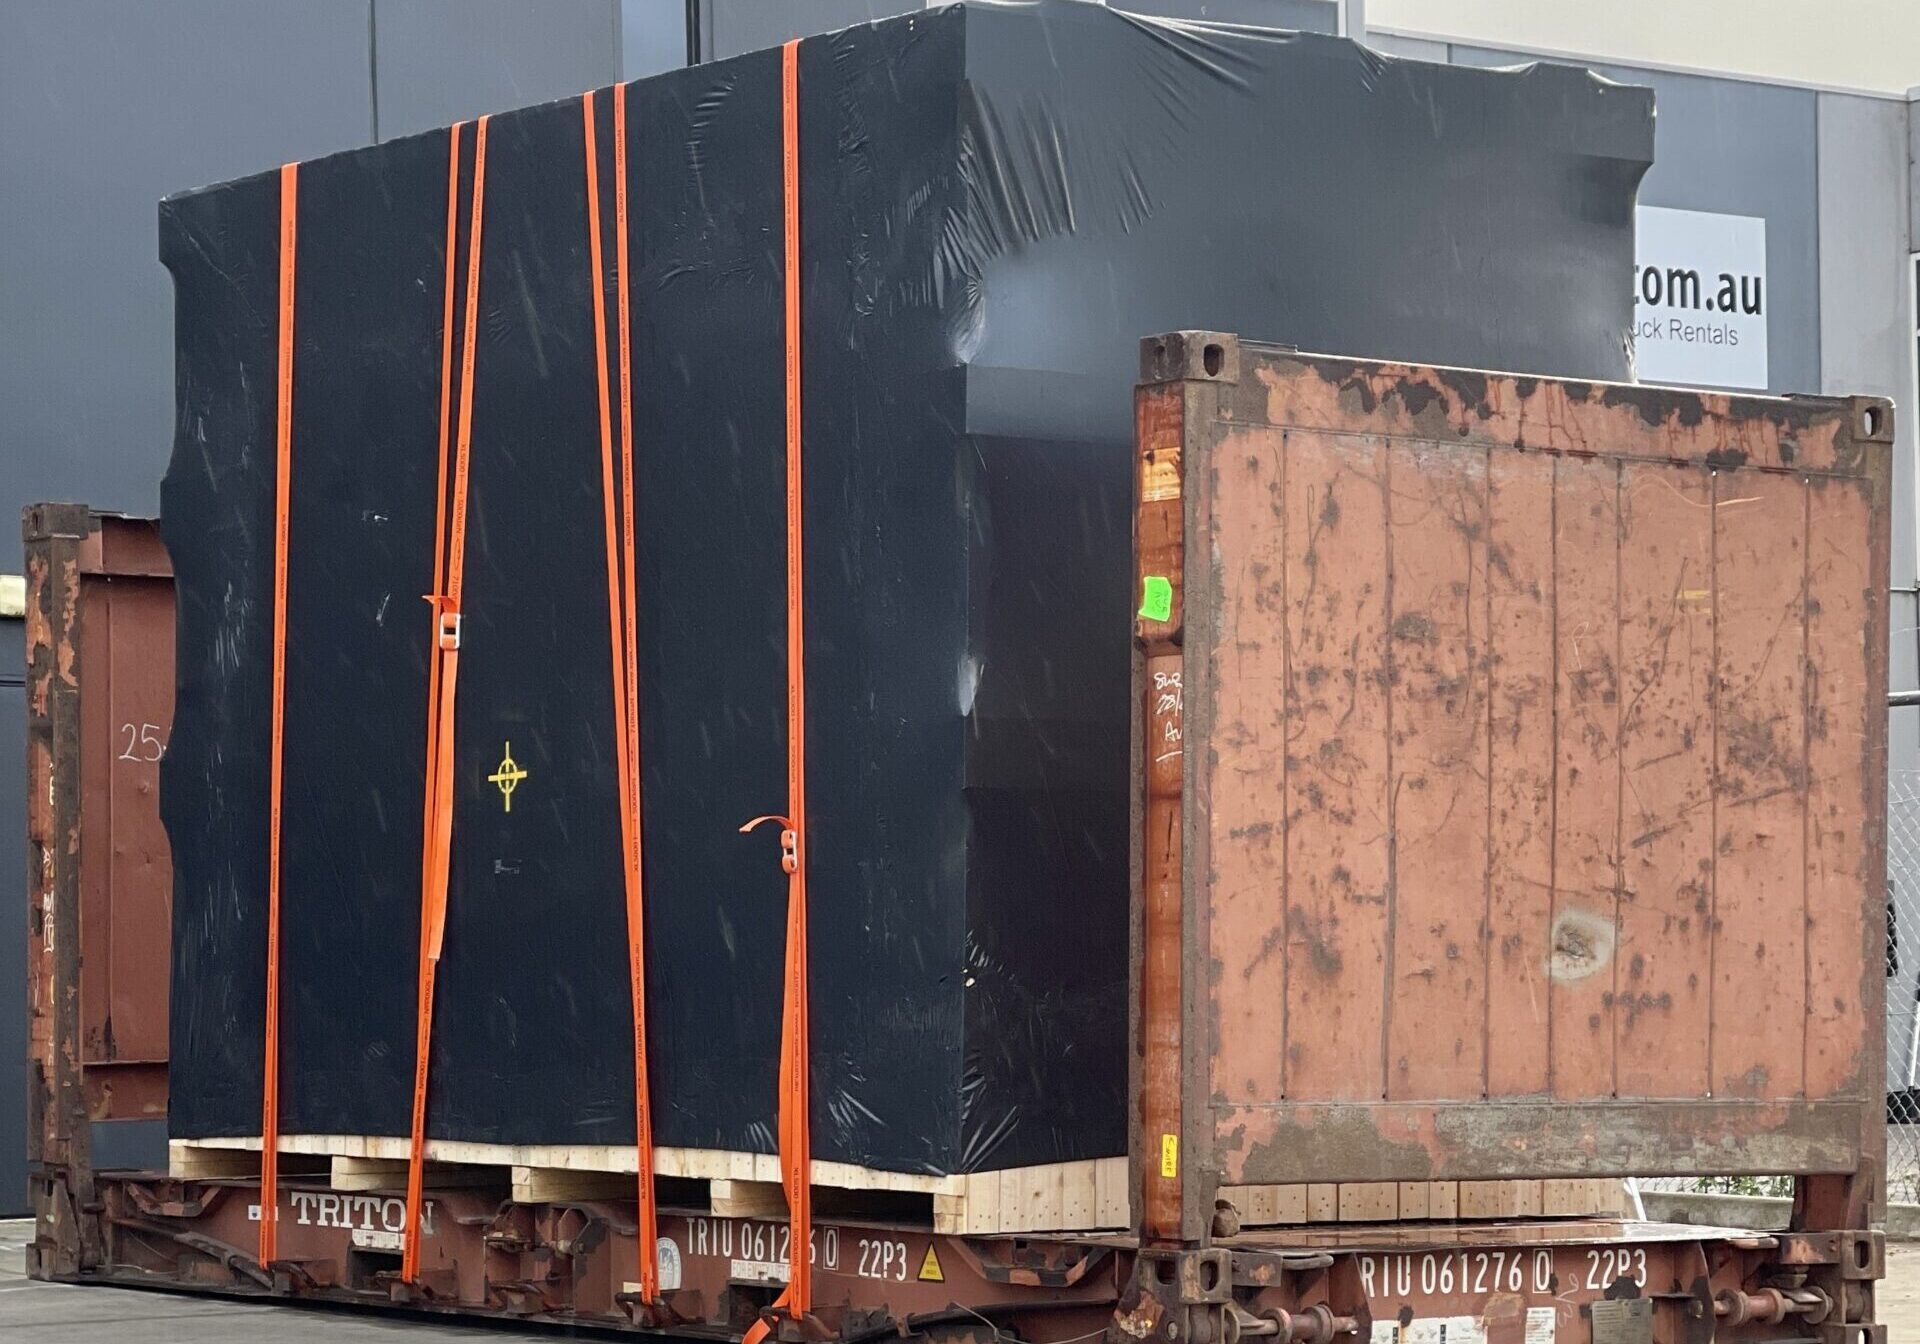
(789, 841)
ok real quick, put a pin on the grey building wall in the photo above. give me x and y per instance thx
(1736, 147)
(1913, 176)
(1410, 48)
(735, 26)
(1307, 16)
(653, 37)
(1866, 325)
(1867, 345)
(730, 27)
(439, 61)
(108, 106)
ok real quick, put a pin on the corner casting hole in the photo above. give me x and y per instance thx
(1213, 357)
(1160, 353)
(1870, 422)
(1862, 1253)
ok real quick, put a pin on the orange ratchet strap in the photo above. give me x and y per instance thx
(449, 566)
(624, 640)
(282, 497)
(796, 1164)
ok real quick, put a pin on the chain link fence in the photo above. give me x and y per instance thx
(1903, 986)
(1903, 1016)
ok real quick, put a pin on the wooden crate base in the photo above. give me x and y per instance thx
(1422, 1201)
(1058, 1197)
(390, 1174)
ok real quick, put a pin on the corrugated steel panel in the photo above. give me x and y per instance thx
(1533, 745)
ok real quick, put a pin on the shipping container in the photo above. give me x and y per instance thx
(1367, 597)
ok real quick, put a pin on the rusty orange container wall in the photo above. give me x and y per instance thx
(100, 881)
(1529, 815)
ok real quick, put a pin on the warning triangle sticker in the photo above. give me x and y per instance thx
(930, 1268)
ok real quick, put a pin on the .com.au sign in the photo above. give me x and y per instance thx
(1700, 298)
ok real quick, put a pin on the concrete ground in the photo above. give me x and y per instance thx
(1899, 1292)
(61, 1314)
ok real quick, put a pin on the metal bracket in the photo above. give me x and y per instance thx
(1872, 419)
(1824, 1279)
(1198, 356)
(1185, 1296)
(1262, 1269)
(1188, 1278)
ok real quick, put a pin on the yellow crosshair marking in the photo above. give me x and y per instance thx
(507, 777)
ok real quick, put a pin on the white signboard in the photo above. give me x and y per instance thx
(1700, 298)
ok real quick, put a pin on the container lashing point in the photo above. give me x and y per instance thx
(1313, 1325)
(1771, 1306)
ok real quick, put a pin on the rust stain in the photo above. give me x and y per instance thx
(1437, 533)
(69, 588)
(1759, 947)
(1843, 772)
(1588, 519)
(1666, 780)
(1582, 944)
(1712, 430)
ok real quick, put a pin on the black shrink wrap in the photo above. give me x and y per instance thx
(997, 202)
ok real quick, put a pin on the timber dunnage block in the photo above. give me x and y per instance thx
(384, 1173)
(188, 1161)
(1424, 1201)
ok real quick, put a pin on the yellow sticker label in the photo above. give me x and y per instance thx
(1169, 1155)
(930, 1267)
(507, 777)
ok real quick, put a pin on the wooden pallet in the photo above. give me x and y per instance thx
(1058, 1197)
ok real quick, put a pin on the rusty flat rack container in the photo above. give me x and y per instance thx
(1514, 767)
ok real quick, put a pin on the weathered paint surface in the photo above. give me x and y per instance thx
(1666, 781)
(100, 695)
(1328, 775)
(1540, 789)
(1520, 762)
(125, 638)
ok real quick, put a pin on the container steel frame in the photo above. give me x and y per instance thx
(1249, 457)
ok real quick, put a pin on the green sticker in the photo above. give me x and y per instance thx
(1156, 601)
